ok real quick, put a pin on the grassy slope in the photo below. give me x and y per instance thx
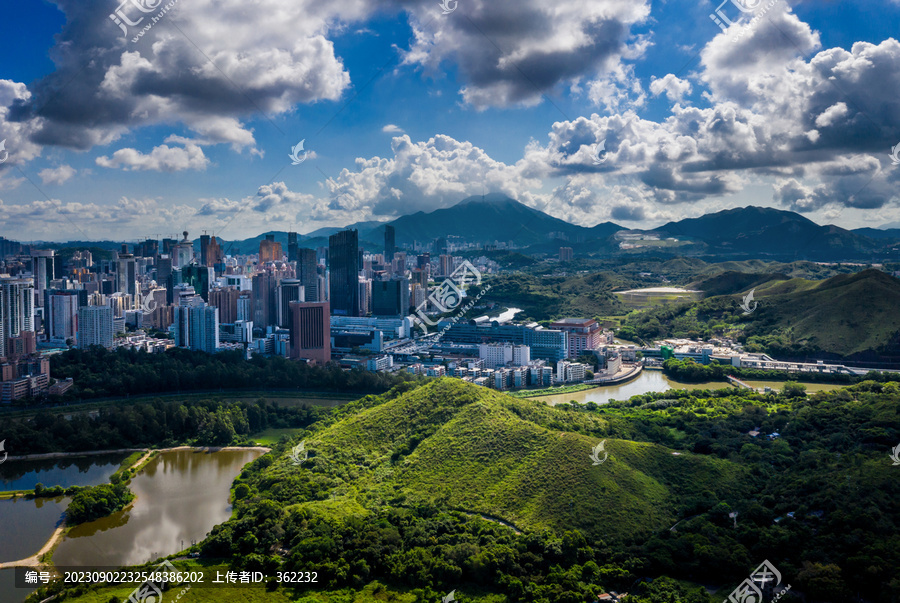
(845, 314)
(485, 452)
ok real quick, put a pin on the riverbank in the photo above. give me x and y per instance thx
(41, 559)
(623, 376)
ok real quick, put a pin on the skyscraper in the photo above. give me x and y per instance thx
(311, 332)
(43, 269)
(226, 300)
(343, 255)
(197, 327)
(389, 243)
(200, 278)
(269, 250)
(204, 247)
(446, 265)
(151, 248)
(307, 273)
(16, 310)
(61, 315)
(182, 252)
(215, 256)
(289, 290)
(126, 272)
(390, 298)
(95, 326)
(292, 247)
(264, 313)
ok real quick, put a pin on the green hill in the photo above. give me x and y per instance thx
(848, 315)
(480, 451)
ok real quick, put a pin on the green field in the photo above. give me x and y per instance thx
(270, 437)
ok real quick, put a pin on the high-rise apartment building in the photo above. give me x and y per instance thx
(343, 257)
(197, 327)
(311, 332)
(16, 310)
(566, 254)
(269, 250)
(226, 300)
(95, 326)
(61, 315)
(43, 269)
(446, 265)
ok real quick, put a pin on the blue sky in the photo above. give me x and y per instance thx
(404, 108)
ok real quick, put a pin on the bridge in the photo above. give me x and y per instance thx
(740, 384)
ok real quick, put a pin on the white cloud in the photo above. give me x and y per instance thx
(674, 88)
(510, 52)
(161, 159)
(392, 129)
(57, 175)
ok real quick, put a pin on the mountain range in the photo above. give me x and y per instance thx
(759, 232)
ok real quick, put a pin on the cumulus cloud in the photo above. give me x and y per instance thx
(675, 89)
(513, 51)
(161, 159)
(392, 129)
(261, 57)
(57, 175)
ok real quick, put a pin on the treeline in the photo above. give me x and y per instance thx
(157, 423)
(100, 373)
(94, 502)
(689, 371)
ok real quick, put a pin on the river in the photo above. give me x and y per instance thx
(655, 381)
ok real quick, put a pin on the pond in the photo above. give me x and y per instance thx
(66, 471)
(181, 495)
